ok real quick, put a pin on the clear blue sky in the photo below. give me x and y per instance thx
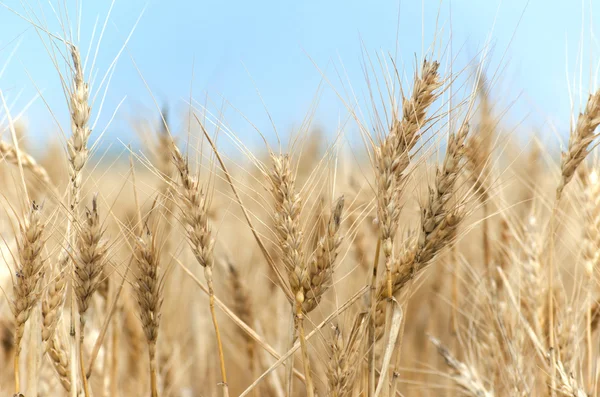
(237, 45)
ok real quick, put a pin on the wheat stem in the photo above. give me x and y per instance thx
(303, 346)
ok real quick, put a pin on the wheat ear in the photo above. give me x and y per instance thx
(29, 273)
(342, 366)
(78, 154)
(54, 298)
(580, 140)
(88, 267)
(194, 213)
(439, 222)
(149, 291)
(320, 267)
(392, 157)
(290, 236)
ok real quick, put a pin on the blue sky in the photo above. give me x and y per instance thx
(237, 47)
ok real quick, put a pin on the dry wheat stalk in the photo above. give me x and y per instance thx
(342, 367)
(149, 292)
(80, 115)
(308, 280)
(392, 157)
(194, 211)
(88, 267)
(287, 220)
(78, 154)
(287, 205)
(29, 273)
(439, 221)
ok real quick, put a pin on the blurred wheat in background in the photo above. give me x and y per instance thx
(444, 256)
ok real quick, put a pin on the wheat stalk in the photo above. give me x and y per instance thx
(29, 273)
(149, 291)
(392, 157)
(88, 267)
(194, 211)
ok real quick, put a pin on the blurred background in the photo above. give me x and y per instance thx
(230, 54)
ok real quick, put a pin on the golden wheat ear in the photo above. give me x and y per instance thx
(149, 293)
(29, 274)
(580, 140)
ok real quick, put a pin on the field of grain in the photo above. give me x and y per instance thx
(447, 256)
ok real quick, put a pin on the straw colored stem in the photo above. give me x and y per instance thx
(372, 334)
(86, 389)
(73, 349)
(290, 364)
(550, 297)
(304, 348)
(211, 299)
(153, 381)
(16, 366)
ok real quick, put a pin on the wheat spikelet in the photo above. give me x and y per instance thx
(54, 298)
(320, 267)
(60, 361)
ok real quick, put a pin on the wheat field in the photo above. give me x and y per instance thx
(443, 256)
